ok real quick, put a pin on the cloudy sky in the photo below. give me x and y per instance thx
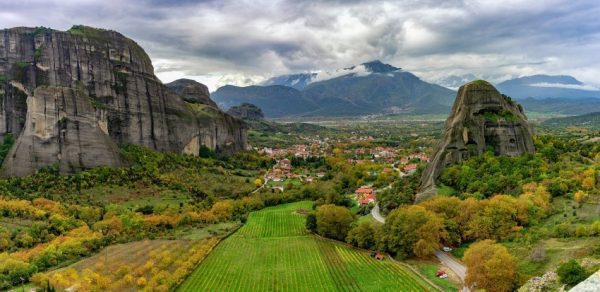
(245, 41)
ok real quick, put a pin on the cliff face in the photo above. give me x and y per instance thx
(246, 111)
(481, 119)
(191, 91)
(72, 97)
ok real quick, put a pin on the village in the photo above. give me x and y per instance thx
(389, 159)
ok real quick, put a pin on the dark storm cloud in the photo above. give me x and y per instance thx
(245, 40)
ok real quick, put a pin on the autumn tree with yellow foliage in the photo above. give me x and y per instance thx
(490, 267)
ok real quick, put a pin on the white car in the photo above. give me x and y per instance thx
(444, 276)
(447, 249)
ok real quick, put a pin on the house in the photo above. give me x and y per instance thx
(377, 255)
(365, 195)
(410, 168)
(367, 199)
(285, 164)
(363, 190)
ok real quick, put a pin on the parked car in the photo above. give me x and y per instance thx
(447, 249)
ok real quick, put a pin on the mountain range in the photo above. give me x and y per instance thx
(546, 86)
(379, 88)
(368, 88)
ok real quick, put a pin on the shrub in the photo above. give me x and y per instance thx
(571, 273)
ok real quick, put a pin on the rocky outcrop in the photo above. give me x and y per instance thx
(192, 91)
(246, 111)
(481, 119)
(71, 97)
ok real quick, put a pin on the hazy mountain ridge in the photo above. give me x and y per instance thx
(547, 86)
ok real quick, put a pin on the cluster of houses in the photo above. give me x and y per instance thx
(299, 150)
(281, 171)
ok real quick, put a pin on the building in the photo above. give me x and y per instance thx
(365, 195)
(410, 168)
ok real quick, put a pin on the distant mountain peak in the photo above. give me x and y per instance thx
(379, 67)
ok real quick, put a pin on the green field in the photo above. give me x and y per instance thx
(273, 252)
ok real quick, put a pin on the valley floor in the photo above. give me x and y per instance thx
(274, 252)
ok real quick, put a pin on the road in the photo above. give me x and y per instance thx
(452, 263)
(457, 267)
(376, 215)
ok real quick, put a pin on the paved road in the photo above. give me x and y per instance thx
(376, 215)
(458, 268)
(452, 263)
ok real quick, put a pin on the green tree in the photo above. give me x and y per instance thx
(334, 221)
(412, 230)
(364, 235)
(571, 273)
(311, 222)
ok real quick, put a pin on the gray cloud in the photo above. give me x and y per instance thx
(243, 41)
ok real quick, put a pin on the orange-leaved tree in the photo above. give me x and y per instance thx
(490, 266)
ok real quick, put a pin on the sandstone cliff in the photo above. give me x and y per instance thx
(481, 119)
(72, 97)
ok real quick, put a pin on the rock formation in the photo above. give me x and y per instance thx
(481, 119)
(192, 91)
(71, 97)
(246, 111)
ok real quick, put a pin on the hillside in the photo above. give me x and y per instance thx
(275, 100)
(567, 106)
(590, 120)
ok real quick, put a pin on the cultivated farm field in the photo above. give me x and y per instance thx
(273, 252)
(155, 265)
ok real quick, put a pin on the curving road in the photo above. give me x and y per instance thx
(376, 215)
(453, 264)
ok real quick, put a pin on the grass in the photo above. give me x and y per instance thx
(588, 212)
(218, 230)
(367, 217)
(285, 182)
(274, 252)
(136, 197)
(446, 190)
(459, 252)
(429, 269)
(557, 251)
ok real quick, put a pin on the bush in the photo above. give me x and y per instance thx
(571, 273)
(311, 222)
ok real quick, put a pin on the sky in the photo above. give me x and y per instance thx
(245, 42)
